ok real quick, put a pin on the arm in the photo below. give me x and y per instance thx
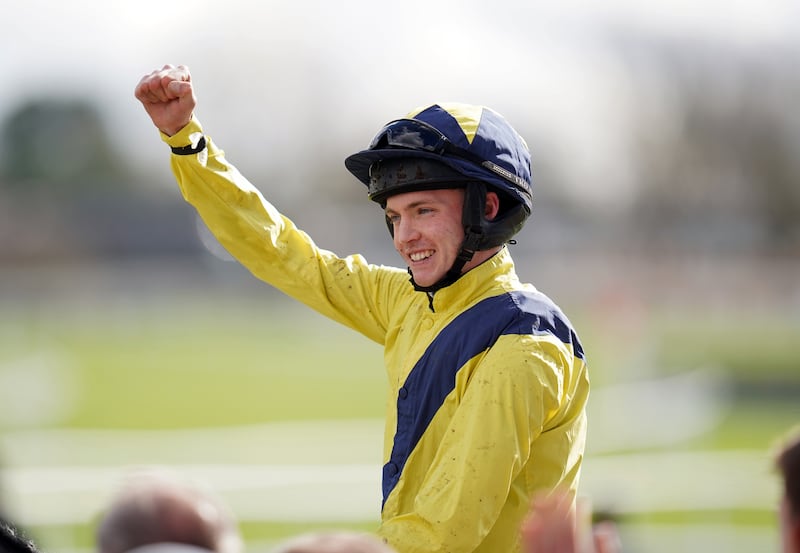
(348, 290)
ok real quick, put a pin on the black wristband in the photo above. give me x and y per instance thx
(189, 150)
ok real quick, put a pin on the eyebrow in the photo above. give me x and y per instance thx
(412, 205)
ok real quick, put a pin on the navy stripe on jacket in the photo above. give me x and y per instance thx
(473, 331)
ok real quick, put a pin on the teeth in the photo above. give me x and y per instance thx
(419, 256)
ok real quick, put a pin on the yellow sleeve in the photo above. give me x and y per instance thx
(348, 290)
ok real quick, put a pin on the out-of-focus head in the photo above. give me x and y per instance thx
(334, 542)
(12, 539)
(155, 507)
(787, 462)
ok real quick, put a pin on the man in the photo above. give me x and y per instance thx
(487, 379)
(788, 464)
(159, 513)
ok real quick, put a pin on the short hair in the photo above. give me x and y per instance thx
(787, 462)
(334, 541)
(155, 507)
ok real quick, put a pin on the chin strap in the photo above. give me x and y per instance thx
(472, 217)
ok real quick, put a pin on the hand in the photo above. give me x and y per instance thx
(550, 526)
(554, 525)
(168, 97)
(605, 537)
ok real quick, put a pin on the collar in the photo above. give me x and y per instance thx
(496, 273)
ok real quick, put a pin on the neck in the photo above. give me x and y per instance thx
(480, 257)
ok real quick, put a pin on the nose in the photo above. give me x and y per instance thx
(405, 231)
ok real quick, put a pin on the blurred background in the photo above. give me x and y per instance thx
(666, 159)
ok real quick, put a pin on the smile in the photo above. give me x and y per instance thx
(419, 256)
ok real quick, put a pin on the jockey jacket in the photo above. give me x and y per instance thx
(487, 379)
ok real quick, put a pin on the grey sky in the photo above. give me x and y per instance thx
(265, 69)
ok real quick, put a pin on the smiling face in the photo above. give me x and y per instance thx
(428, 231)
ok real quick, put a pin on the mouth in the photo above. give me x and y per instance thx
(420, 256)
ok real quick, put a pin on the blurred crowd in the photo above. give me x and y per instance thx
(158, 511)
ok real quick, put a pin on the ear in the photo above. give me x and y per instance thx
(492, 205)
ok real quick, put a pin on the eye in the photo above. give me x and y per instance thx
(393, 218)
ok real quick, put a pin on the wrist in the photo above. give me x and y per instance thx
(174, 129)
(187, 136)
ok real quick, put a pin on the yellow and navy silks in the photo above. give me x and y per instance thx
(487, 390)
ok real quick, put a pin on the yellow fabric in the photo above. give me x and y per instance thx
(468, 116)
(515, 420)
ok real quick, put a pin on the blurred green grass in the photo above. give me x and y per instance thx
(207, 362)
(752, 347)
(176, 366)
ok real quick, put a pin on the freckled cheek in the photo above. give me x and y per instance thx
(454, 237)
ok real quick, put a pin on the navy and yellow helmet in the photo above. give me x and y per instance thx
(449, 145)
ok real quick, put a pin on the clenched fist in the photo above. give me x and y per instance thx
(168, 97)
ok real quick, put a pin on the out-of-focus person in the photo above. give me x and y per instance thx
(13, 540)
(787, 461)
(158, 512)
